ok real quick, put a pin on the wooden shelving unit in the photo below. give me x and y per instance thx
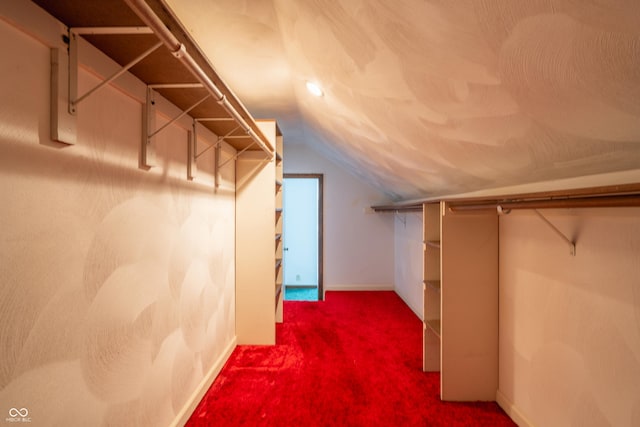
(431, 286)
(259, 242)
(146, 36)
(460, 281)
(278, 224)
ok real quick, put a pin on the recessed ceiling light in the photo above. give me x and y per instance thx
(314, 89)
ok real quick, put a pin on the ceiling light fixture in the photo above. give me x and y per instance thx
(314, 89)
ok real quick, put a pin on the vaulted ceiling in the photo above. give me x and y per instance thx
(430, 97)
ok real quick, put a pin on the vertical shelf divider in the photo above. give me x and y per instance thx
(469, 305)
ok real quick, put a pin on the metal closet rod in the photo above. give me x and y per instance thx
(399, 208)
(148, 16)
(610, 201)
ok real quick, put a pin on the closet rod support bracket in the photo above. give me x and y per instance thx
(572, 245)
(74, 99)
(218, 142)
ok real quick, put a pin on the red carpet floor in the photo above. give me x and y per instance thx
(352, 360)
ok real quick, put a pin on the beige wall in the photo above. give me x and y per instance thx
(116, 284)
(408, 254)
(569, 352)
(570, 326)
(358, 243)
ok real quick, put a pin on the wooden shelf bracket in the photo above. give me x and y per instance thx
(63, 122)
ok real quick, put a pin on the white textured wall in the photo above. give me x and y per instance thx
(408, 259)
(116, 284)
(570, 326)
(358, 245)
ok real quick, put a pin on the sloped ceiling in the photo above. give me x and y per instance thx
(425, 98)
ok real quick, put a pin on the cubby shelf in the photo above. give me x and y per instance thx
(433, 284)
(434, 326)
(278, 291)
(435, 244)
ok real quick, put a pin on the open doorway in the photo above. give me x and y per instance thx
(302, 237)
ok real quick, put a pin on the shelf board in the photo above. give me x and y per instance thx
(278, 183)
(278, 236)
(278, 210)
(278, 292)
(278, 262)
(434, 325)
(433, 243)
(434, 284)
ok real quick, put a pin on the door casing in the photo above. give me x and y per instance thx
(320, 178)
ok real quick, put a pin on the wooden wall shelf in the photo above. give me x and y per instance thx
(163, 68)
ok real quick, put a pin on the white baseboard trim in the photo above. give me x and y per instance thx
(512, 410)
(193, 401)
(357, 287)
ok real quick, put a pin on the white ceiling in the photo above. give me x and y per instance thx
(425, 98)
